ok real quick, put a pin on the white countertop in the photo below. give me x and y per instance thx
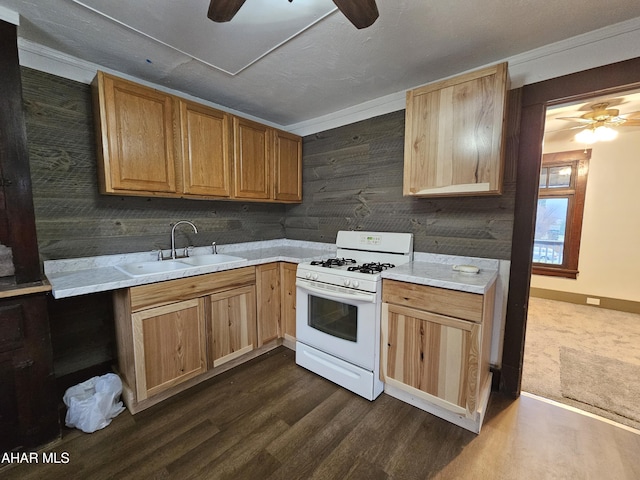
(81, 276)
(442, 275)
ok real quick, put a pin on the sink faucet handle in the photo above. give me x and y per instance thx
(214, 247)
(158, 254)
(188, 250)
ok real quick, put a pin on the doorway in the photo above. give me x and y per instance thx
(535, 99)
(575, 352)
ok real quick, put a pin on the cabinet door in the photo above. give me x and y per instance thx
(136, 134)
(168, 345)
(288, 300)
(252, 173)
(232, 324)
(268, 290)
(287, 168)
(205, 135)
(454, 135)
(28, 400)
(432, 356)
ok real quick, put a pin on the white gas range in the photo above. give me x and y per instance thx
(338, 308)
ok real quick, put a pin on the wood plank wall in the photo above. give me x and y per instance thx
(74, 220)
(353, 181)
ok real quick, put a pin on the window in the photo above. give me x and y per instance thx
(562, 188)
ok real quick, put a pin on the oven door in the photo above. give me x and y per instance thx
(338, 321)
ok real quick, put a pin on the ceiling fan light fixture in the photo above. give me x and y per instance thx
(597, 134)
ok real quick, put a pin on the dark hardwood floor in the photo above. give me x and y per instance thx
(269, 419)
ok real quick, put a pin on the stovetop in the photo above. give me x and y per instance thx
(352, 265)
(360, 259)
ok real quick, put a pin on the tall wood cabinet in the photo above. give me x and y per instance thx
(28, 402)
(435, 349)
(152, 143)
(454, 135)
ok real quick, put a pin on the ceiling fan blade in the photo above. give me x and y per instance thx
(223, 10)
(631, 122)
(362, 13)
(575, 119)
(566, 129)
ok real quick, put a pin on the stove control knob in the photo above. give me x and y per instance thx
(314, 276)
(308, 275)
(347, 282)
(356, 284)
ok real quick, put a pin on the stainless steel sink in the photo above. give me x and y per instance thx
(139, 269)
(210, 259)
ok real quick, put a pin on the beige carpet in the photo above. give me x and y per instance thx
(585, 357)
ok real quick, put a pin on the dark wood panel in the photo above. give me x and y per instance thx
(270, 419)
(352, 180)
(28, 405)
(17, 224)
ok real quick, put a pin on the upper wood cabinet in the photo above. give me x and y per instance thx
(454, 135)
(205, 135)
(135, 132)
(287, 167)
(251, 159)
(155, 144)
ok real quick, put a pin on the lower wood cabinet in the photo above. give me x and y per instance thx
(288, 302)
(276, 300)
(435, 349)
(174, 334)
(231, 324)
(268, 289)
(169, 346)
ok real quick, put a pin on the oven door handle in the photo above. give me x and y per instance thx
(363, 297)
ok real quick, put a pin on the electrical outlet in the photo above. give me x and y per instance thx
(593, 301)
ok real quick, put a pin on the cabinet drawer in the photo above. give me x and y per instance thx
(162, 293)
(465, 305)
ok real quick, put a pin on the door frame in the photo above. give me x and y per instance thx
(608, 79)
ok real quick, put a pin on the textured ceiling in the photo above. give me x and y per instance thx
(327, 67)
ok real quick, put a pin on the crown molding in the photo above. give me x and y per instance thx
(9, 15)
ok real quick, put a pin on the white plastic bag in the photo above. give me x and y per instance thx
(92, 404)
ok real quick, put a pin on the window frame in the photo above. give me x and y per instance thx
(576, 193)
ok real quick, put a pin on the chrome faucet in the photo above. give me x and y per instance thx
(173, 236)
